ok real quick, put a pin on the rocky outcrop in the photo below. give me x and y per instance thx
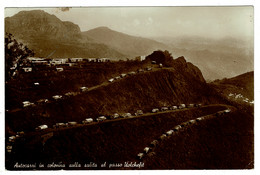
(183, 66)
(38, 23)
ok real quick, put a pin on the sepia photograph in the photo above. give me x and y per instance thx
(129, 88)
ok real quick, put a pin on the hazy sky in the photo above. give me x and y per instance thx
(212, 22)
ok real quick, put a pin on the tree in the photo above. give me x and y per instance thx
(163, 57)
(15, 55)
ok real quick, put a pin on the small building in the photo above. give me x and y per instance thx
(76, 60)
(38, 61)
(36, 84)
(69, 64)
(58, 61)
(102, 60)
(27, 69)
(61, 60)
(91, 59)
(160, 65)
(153, 62)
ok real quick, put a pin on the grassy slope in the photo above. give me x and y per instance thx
(52, 82)
(142, 91)
(243, 84)
(225, 142)
(112, 142)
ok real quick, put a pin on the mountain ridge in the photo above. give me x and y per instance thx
(37, 29)
(124, 43)
(51, 35)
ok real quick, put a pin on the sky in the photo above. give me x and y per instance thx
(212, 22)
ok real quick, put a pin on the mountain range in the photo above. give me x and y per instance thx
(45, 34)
(48, 36)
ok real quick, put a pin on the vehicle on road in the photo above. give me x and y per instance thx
(182, 106)
(41, 127)
(27, 103)
(164, 108)
(111, 80)
(101, 118)
(155, 110)
(83, 89)
(139, 112)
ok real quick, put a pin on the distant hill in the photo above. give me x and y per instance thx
(242, 84)
(39, 24)
(47, 35)
(127, 44)
(232, 56)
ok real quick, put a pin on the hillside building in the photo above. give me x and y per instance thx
(27, 69)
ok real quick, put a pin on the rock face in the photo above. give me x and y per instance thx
(38, 23)
(183, 66)
(180, 64)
